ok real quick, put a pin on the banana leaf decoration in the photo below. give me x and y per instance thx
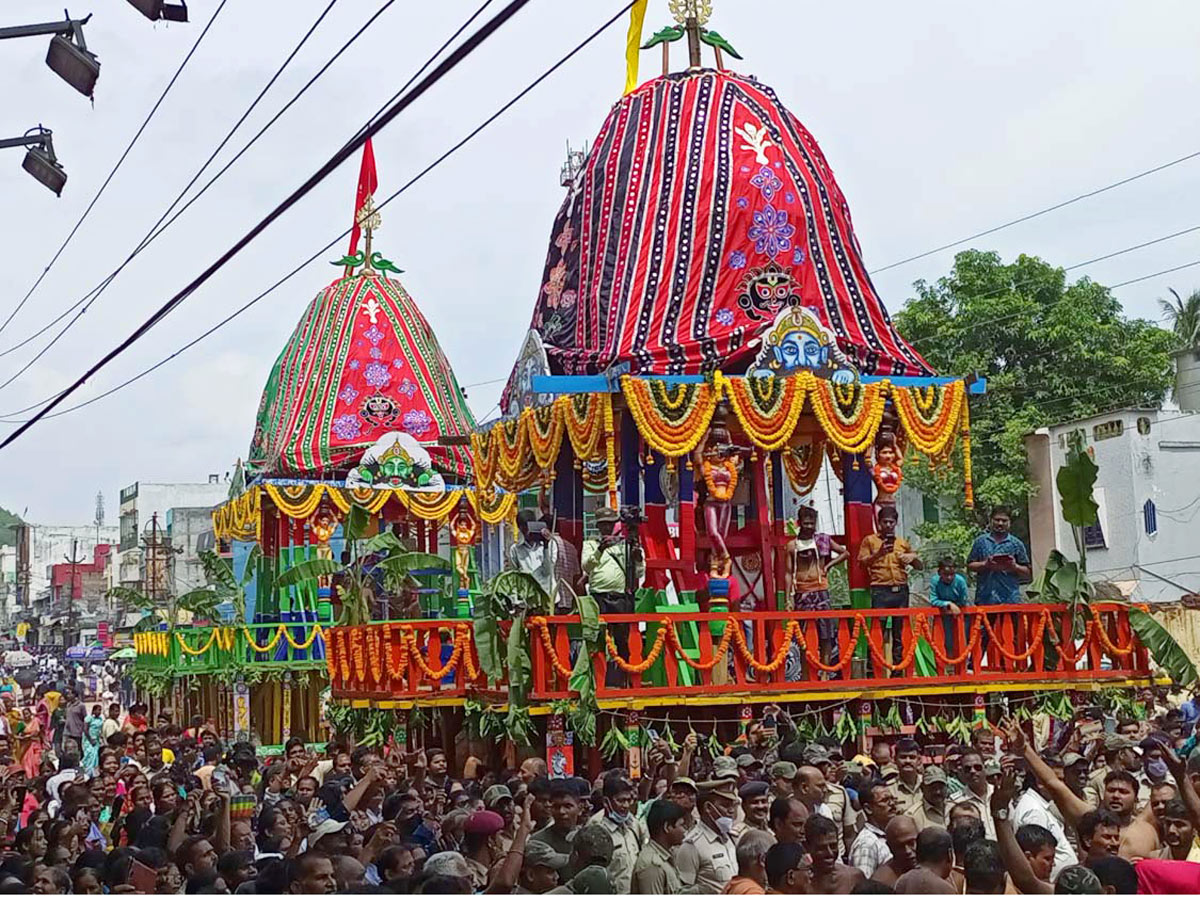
(1166, 652)
(668, 35)
(715, 40)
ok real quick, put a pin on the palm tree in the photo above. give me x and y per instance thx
(1184, 316)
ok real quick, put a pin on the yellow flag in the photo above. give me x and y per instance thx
(633, 43)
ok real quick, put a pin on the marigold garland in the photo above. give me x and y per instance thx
(191, 651)
(343, 642)
(1035, 642)
(545, 428)
(976, 632)
(1073, 656)
(356, 653)
(610, 448)
(316, 632)
(460, 643)
(511, 436)
(768, 408)
(849, 414)
(267, 647)
(968, 484)
(484, 455)
(583, 416)
(881, 658)
(374, 643)
(650, 659)
(930, 415)
(1106, 642)
(672, 418)
(539, 624)
(802, 464)
(775, 663)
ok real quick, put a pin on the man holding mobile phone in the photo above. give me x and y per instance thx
(999, 561)
(887, 559)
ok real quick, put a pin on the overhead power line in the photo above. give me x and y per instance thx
(1040, 212)
(412, 181)
(97, 291)
(99, 193)
(461, 53)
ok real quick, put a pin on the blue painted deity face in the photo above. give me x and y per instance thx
(800, 350)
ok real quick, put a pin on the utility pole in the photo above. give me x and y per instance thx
(74, 559)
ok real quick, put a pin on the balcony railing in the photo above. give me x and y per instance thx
(689, 654)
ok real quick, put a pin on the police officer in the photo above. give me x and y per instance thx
(706, 859)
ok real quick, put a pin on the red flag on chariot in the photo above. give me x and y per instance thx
(368, 182)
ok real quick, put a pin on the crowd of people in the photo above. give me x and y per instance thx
(106, 800)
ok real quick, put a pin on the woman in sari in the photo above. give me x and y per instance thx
(31, 743)
(91, 740)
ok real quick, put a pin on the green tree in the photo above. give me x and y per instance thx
(8, 527)
(1184, 316)
(1051, 351)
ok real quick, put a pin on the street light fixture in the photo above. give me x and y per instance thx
(68, 55)
(157, 9)
(40, 161)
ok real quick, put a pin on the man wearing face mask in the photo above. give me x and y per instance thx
(628, 832)
(707, 860)
(1154, 768)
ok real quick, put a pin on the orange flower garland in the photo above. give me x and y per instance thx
(539, 624)
(651, 658)
(1073, 656)
(484, 453)
(375, 654)
(802, 464)
(672, 418)
(1035, 642)
(356, 653)
(789, 633)
(925, 627)
(1106, 642)
(583, 416)
(544, 429)
(849, 414)
(510, 436)
(343, 653)
(930, 415)
(767, 408)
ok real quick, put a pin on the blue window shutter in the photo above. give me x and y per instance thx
(1150, 517)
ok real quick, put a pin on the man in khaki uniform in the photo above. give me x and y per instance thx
(930, 806)
(782, 774)
(756, 808)
(706, 859)
(655, 871)
(1119, 753)
(627, 831)
(907, 786)
(841, 810)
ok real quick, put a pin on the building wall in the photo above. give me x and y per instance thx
(1155, 457)
(140, 502)
(184, 527)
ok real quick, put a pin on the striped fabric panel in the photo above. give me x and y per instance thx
(677, 205)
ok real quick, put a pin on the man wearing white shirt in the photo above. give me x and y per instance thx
(535, 554)
(1032, 808)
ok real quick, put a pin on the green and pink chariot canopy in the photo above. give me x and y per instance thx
(362, 363)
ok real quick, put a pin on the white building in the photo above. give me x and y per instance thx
(52, 544)
(146, 517)
(1148, 491)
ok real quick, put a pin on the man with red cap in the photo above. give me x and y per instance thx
(481, 845)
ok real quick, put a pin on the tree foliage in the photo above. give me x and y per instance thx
(1051, 351)
(1184, 316)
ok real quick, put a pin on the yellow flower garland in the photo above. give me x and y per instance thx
(930, 416)
(269, 645)
(853, 433)
(769, 428)
(671, 418)
(583, 416)
(544, 429)
(191, 651)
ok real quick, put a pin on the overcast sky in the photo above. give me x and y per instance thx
(940, 119)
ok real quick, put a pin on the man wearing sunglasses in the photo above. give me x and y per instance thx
(977, 791)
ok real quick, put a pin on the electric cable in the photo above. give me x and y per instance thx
(1040, 212)
(138, 134)
(451, 62)
(97, 291)
(153, 234)
(412, 181)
